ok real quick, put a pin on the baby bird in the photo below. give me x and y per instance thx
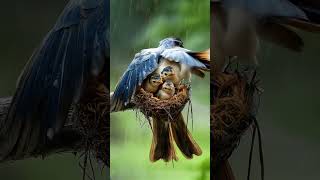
(169, 73)
(167, 90)
(152, 83)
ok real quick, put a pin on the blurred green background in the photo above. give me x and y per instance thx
(142, 24)
(23, 26)
(288, 115)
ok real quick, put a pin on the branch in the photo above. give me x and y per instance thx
(67, 140)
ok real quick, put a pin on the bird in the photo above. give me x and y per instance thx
(148, 61)
(167, 90)
(152, 83)
(166, 132)
(69, 67)
(168, 73)
(238, 27)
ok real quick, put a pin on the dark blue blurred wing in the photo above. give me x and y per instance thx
(143, 64)
(180, 55)
(72, 52)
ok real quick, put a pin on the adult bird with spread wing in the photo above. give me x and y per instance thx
(150, 63)
(69, 68)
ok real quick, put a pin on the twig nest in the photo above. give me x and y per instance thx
(231, 112)
(151, 106)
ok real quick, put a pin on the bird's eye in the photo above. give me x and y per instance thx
(165, 74)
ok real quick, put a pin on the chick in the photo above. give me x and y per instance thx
(167, 90)
(152, 83)
(170, 70)
(168, 73)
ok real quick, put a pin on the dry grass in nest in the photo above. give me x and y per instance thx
(163, 109)
(231, 113)
(94, 124)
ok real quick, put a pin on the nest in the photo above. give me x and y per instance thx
(163, 109)
(231, 113)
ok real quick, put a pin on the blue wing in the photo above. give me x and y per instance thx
(180, 55)
(76, 49)
(143, 64)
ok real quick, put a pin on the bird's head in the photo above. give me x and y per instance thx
(167, 72)
(171, 42)
(155, 80)
(168, 86)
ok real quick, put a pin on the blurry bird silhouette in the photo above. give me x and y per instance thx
(239, 25)
(69, 66)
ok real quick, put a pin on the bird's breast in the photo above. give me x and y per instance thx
(163, 95)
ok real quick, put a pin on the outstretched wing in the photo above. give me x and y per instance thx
(72, 52)
(181, 55)
(143, 64)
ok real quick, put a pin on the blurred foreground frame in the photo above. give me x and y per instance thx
(61, 102)
(237, 27)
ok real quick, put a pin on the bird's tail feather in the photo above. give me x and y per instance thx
(162, 146)
(183, 138)
(198, 72)
(202, 56)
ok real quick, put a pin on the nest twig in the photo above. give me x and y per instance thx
(94, 125)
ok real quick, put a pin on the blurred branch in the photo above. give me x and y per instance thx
(67, 140)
